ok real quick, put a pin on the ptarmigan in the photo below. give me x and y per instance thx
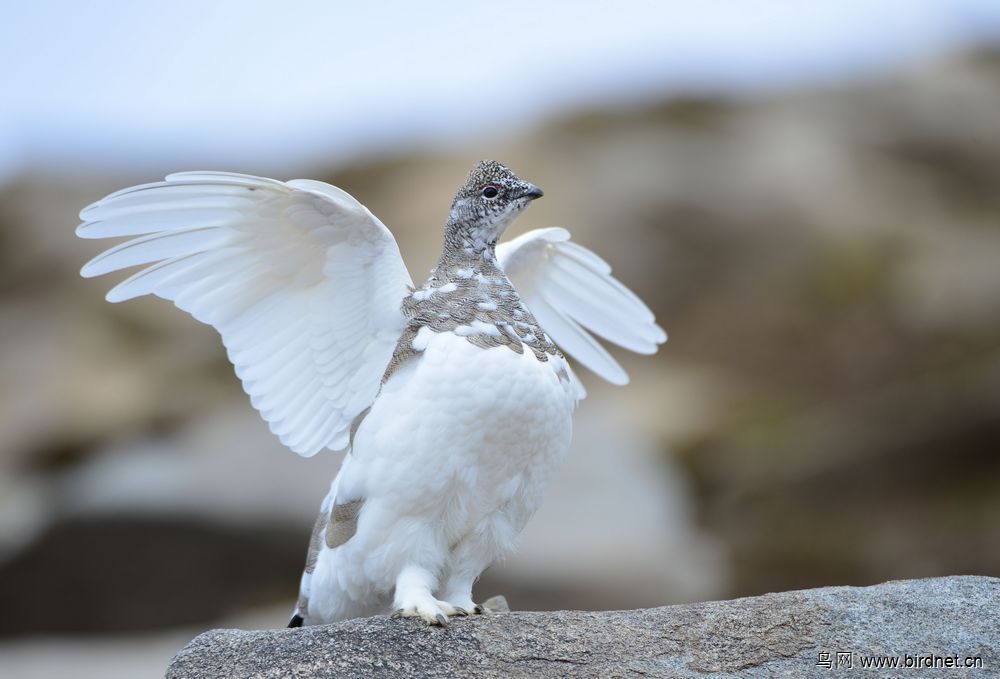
(453, 399)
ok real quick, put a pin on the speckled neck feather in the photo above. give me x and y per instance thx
(467, 293)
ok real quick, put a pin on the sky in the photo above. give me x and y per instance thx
(238, 85)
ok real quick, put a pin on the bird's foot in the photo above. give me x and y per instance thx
(430, 610)
(460, 602)
(464, 605)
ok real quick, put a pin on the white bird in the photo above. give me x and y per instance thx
(453, 399)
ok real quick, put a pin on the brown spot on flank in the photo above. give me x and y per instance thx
(343, 523)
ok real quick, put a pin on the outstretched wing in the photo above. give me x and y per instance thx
(570, 290)
(303, 283)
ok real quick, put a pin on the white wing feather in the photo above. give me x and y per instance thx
(303, 283)
(571, 291)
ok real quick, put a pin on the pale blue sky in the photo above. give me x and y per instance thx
(276, 86)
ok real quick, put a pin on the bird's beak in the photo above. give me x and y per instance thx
(531, 192)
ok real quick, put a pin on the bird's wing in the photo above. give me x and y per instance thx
(571, 291)
(303, 283)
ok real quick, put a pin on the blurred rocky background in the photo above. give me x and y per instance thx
(825, 255)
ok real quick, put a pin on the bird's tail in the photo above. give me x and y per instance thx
(301, 611)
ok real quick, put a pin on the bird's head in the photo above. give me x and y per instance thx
(489, 201)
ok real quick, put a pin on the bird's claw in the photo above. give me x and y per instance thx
(436, 618)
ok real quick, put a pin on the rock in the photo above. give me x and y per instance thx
(772, 635)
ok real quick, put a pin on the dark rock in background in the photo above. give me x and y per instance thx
(119, 574)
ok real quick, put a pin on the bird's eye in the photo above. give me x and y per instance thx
(490, 192)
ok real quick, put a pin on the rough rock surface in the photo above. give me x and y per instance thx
(773, 635)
